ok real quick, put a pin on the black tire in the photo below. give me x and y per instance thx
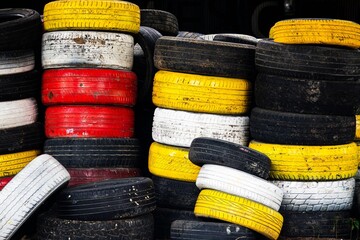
(146, 38)
(197, 230)
(94, 152)
(307, 61)
(20, 28)
(301, 129)
(317, 224)
(236, 38)
(219, 152)
(164, 218)
(184, 34)
(19, 86)
(107, 200)
(204, 57)
(49, 227)
(21, 138)
(175, 194)
(299, 95)
(164, 22)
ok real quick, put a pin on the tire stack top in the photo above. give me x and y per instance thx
(306, 94)
(21, 136)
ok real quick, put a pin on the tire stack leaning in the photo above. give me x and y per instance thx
(21, 136)
(202, 89)
(88, 86)
(306, 94)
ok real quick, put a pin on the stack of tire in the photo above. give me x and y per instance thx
(21, 136)
(202, 89)
(88, 86)
(234, 189)
(306, 95)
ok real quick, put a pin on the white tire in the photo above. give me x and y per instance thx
(27, 191)
(210, 37)
(62, 49)
(16, 61)
(239, 183)
(179, 128)
(317, 196)
(18, 113)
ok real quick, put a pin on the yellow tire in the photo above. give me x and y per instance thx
(11, 164)
(197, 93)
(238, 210)
(172, 162)
(317, 31)
(357, 133)
(109, 15)
(358, 148)
(297, 162)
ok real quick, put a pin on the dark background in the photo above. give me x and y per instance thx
(254, 17)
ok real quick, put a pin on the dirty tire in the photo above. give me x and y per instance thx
(16, 61)
(188, 55)
(333, 224)
(310, 163)
(107, 200)
(214, 151)
(236, 38)
(13, 163)
(87, 49)
(95, 152)
(311, 62)
(197, 93)
(50, 227)
(185, 34)
(180, 128)
(198, 230)
(28, 190)
(95, 15)
(18, 113)
(164, 22)
(299, 95)
(175, 194)
(301, 129)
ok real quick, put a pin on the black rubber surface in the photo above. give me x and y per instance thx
(198, 56)
(219, 152)
(301, 129)
(107, 200)
(300, 95)
(19, 86)
(164, 22)
(94, 152)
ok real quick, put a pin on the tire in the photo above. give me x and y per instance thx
(196, 93)
(236, 38)
(307, 61)
(202, 57)
(310, 163)
(87, 49)
(172, 163)
(237, 210)
(13, 163)
(317, 31)
(81, 176)
(180, 128)
(21, 138)
(96, 15)
(241, 184)
(299, 95)
(89, 121)
(164, 22)
(357, 130)
(52, 228)
(213, 151)
(333, 224)
(175, 194)
(18, 113)
(107, 200)
(185, 34)
(16, 61)
(21, 29)
(301, 129)
(4, 181)
(198, 230)
(144, 65)
(28, 190)
(317, 196)
(95, 152)
(89, 86)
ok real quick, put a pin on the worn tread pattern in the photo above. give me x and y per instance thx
(13, 163)
(18, 113)
(164, 22)
(185, 34)
(16, 61)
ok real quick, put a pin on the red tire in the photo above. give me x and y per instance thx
(89, 121)
(89, 86)
(4, 181)
(87, 175)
